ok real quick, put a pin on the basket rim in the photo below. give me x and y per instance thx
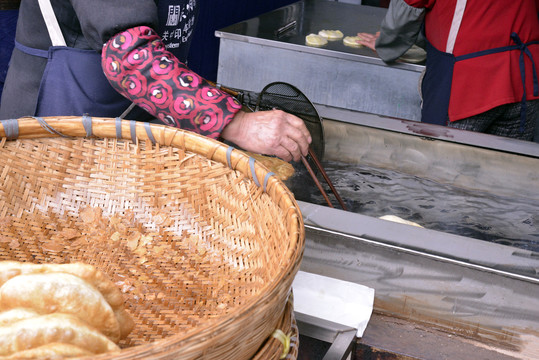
(162, 135)
(116, 128)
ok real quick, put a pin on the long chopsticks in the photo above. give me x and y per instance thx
(317, 162)
(319, 166)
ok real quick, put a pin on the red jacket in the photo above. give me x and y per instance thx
(484, 82)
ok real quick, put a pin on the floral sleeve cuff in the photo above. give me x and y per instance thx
(140, 68)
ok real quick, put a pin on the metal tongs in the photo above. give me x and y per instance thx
(288, 98)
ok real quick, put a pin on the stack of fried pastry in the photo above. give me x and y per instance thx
(55, 311)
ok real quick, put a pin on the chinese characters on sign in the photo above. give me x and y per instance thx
(179, 24)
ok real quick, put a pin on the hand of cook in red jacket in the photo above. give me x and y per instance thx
(269, 132)
(368, 40)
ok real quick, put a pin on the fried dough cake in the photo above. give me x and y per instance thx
(86, 272)
(89, 273)
(281, 168)
(16, 314)
(53, 351)
(63, 293)
(48, 329)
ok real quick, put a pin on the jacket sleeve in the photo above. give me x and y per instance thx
(139, 67)
(102, 19)
(400, 29)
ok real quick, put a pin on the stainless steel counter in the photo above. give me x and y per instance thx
(495, 307)
(258, 51)
(481, 290)
(487, 292)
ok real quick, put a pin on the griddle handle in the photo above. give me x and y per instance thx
(284, 29)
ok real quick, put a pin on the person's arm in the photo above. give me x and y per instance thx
(217, 114)
(399, 29)
(139, 67)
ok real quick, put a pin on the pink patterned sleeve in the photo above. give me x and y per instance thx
(139, 67)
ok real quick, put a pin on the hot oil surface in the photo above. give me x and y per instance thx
(376, 192)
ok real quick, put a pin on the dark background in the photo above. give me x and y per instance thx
(214, 15)
(8, 20)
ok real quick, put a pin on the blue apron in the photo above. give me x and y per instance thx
(74, 84)
(436, 85)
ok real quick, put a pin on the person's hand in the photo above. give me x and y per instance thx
(368, 40)
(269, 132)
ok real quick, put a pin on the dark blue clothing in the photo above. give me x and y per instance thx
(73, 82)
(85, 25)
(8, 22)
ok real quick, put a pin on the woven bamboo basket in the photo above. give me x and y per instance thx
(284, 342)
(210, 240)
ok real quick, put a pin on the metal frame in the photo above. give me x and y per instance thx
(342, 338)
(420, 285)
(365, 82)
